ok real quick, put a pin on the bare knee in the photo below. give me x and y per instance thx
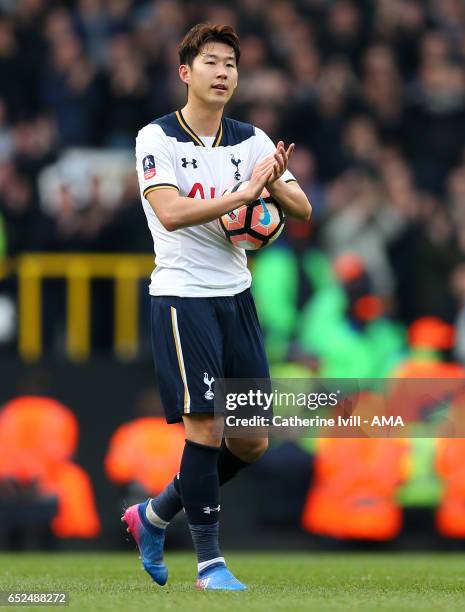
(204, 428)
(247, 449)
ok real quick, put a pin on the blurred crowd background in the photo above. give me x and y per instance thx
(373, 94)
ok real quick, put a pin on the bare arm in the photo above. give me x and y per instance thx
(175, 212)
(292, 199)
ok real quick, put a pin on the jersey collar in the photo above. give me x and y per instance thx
(196, 139)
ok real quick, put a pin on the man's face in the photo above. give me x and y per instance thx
(213, 75)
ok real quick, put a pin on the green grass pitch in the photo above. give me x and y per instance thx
(277, 581)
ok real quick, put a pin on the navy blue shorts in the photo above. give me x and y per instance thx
(198, 340)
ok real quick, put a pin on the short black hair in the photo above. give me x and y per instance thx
(204, 33)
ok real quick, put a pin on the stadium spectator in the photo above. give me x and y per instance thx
(39, 435)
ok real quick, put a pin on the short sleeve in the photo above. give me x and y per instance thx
(264, 147)
(155, 168)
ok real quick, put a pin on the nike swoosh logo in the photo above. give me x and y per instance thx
(265, 219)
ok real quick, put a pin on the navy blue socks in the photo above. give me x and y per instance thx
(197, 488)
(200, 485)
(200, 492)
(228, 464)
(168, 503)
(206, 544)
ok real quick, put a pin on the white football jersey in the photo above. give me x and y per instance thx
(197, 261)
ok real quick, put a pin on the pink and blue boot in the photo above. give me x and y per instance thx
(218, 578)
(150, 540)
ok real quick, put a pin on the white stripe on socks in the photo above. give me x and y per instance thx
(204, 564)
(153, 517)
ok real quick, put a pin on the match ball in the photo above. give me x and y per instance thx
(255, 224)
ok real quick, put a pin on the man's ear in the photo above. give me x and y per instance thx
(185, 73)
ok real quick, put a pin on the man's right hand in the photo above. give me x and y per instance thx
(258, 180)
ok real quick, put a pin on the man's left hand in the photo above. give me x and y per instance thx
(278, 161)
(281, 158)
